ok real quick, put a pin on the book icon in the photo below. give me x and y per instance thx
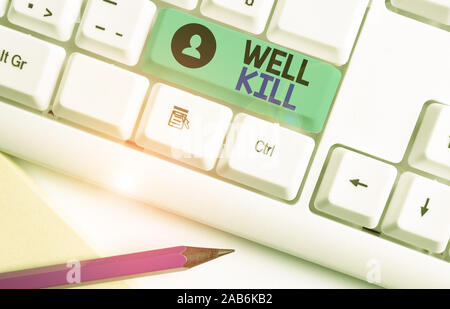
(178, 118)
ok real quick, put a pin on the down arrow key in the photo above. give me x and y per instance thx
(424, 209)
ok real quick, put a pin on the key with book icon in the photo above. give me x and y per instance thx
(178, 118)
(192, 133)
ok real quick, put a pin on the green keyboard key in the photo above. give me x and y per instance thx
(270, 80)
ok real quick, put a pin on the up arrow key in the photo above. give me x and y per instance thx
(48, 14)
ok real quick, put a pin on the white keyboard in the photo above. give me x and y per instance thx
(317, 127)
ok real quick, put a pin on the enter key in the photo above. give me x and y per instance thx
(270, 80)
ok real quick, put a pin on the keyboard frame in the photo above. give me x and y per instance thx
(295, 227)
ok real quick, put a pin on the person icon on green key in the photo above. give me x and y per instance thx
(193, 46)
(192, 51)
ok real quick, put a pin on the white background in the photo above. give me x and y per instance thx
(116, 225)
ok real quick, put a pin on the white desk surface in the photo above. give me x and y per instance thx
(117, 225)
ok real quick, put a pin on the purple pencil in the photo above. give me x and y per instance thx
(116, 267)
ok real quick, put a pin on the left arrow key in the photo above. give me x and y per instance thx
(360, 201)
(53, 18)
(357, 183)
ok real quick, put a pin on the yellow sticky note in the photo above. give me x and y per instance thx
(32, 233)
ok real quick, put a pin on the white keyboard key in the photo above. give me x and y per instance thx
(53, 18)
(185, 4)
(265, 156)
(100, 96)
(3, 5)
(419, 213)
(248, 15)
(325, 29)
(184, 126)
(116, 29)
(431, 150)
(29, 68)
(437, 10)
(355, 188)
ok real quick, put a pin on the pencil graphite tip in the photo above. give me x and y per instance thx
(222, 252)
(196, 256)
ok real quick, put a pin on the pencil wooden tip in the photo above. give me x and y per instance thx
(196, 256)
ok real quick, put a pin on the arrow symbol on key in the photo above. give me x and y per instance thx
(49, 13)
(357, 183)
(424, 209)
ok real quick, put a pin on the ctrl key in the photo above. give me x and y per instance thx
(265, 156)
(29, 68)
